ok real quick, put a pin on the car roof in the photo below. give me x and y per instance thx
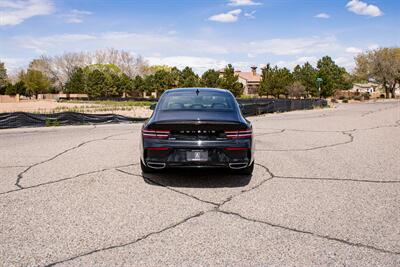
(194, 89)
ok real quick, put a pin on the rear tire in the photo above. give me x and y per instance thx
(145, 169)
(246, 171)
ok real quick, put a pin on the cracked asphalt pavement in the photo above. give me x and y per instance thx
(325, 191)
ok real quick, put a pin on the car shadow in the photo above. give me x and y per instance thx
(197, 178)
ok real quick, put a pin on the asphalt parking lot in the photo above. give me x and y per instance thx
(325, 191)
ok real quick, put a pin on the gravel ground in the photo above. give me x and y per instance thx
(325, 191)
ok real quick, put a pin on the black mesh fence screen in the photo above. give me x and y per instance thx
(250, 107)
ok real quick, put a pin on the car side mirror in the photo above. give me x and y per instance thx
(153, 106)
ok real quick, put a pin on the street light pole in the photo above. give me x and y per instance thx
(319, 80)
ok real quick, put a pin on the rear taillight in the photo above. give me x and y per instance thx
(157, 134)
(239, 134)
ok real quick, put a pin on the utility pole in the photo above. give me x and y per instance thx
(319, 81)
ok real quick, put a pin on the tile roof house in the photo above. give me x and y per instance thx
(250, 80)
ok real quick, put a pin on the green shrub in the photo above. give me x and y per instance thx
(345, 100)
(52, 122)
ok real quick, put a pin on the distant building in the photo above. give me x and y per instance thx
(361, 88)
(250, 80)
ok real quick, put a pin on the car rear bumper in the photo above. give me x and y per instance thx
(233, 154)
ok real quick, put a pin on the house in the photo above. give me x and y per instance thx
(361, 88)
(250, 80)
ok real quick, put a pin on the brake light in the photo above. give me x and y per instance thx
(158, 148)
(157, 134)
(239, 134)
(237, 148)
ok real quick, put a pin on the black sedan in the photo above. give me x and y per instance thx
(197, 128)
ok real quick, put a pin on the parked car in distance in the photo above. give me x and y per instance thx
(197, 128)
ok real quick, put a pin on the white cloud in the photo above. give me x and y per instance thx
(322, 16)
(15, 12)
(198, 53)
(250, 15)
(200, 64)
(243, 3)
(143, 43)
(345, 61)
(76, 16)
(229, 17)
(373, 46)
(353, 50)
(298, 61)
(291, 46)
(362, 8)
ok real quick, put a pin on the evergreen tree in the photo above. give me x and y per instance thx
(230, 81)
(210, 78)
(266, 83)
(76, 84)
(333, 76)
(306, 75)
(138, 86)
(125, 84)
(3, 78)
(188, 78)
(10, 89)
(20, 88)
(96, 84)
(275, 81)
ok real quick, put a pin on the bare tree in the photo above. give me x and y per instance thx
(296, 89)
(383, 65)
(60, 68)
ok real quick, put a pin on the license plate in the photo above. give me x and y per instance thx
(197, 155)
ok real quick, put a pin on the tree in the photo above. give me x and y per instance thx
(188, 78)
(275, 81)
(333, 76)
(266, 82)
(36, 82)
(210, 78)
(96, 84)
(10, 89)
(138, 86)
(60, 68)
(284, 79)
(306, 75)
(230, 81)
(125, 84)
(3, 78)
(76, 84)
(382, 65)
(20, 88)
(296, 89)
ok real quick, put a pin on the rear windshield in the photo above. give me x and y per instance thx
(201, 101)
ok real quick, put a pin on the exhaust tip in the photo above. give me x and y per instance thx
(236, 166)
(156, 165)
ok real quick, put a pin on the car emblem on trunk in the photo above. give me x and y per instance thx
(197, 155)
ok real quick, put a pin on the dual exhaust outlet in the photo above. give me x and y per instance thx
(161, 165)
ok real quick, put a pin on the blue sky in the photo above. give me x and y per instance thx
(200, 33)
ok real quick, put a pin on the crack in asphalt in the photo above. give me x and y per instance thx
(351, 139)
(217, 208)
(66, 179)
(21, 174)
(326, 237)
(381, 109)
(143, 237)
(262, 134)
(216, 205)
(168, 187)
(338, 179)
